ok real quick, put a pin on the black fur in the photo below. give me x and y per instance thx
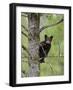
(44, 48)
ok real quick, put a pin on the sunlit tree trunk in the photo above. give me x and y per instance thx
(33, 47)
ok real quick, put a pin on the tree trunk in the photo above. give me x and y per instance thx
(33, 47)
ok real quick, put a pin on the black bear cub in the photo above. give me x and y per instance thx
(44, 48)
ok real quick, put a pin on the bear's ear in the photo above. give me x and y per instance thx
(45, 37)
(51, 37)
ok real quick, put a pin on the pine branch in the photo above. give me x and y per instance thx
(44, 27)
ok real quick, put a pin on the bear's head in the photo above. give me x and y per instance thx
(48, 40)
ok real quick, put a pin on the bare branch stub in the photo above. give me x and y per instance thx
(47, 26)
(24, 28)
(24, 48)
(24, 34)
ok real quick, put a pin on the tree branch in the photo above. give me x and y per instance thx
(44, 27)
(24, 28)
(24, 34)
(24, 48)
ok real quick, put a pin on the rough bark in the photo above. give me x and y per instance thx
(33, 47)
